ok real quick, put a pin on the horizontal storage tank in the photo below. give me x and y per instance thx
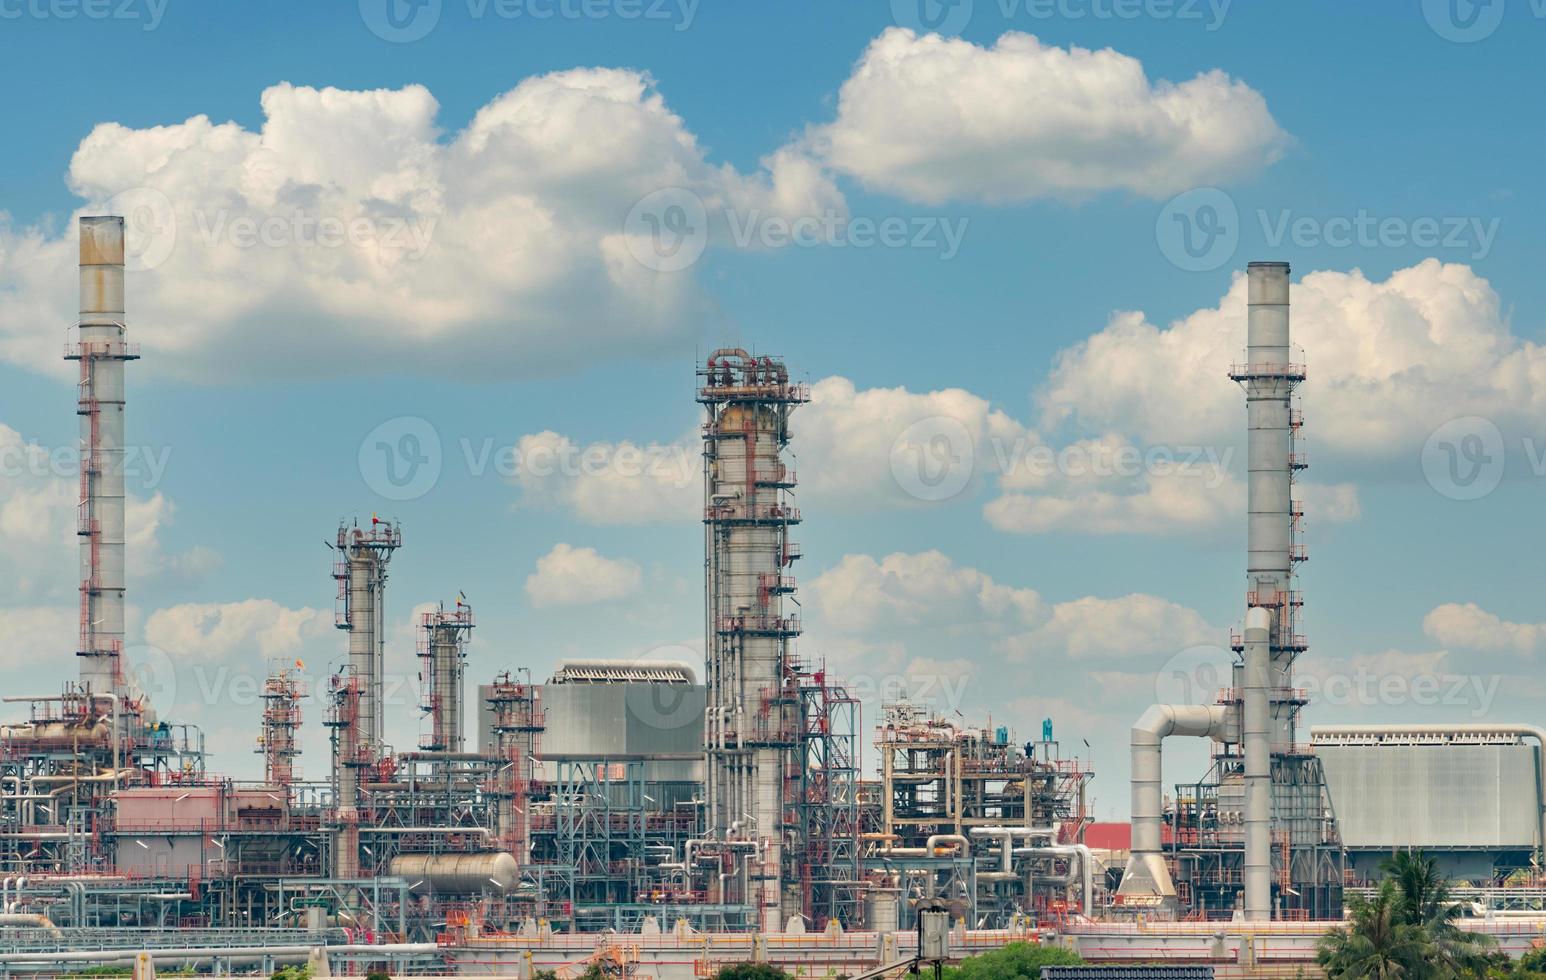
(457, 874)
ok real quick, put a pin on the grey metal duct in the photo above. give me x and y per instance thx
(1146, 876)
(1258, 766)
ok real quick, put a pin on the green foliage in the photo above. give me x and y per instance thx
(377, 975)
(1533, 961)
(1407, 931)
(1014, 961)
(751, 971)
(292, 973)
(545, 975)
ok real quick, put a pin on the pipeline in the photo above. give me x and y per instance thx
(1146, 875)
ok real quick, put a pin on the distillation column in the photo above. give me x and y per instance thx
(355, 716)
(101, 349)
(281, 719)
(751, 726)
(517, 726)
(443, 653)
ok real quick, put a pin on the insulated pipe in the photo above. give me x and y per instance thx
(22, 920)
(199, 954)
(1086, 866)
(1258, 766)
(1005, 836)
(1520, 731)
(1146, 875)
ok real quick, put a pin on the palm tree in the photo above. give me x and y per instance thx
(1378, 943)
(1425, 901)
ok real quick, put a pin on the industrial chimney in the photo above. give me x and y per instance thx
(101, 348)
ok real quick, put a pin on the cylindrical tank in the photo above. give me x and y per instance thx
(881, 913)
(457, 874)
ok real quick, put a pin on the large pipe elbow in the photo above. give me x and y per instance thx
(1162, 721)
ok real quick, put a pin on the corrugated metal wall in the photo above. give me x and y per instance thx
(1436, 797)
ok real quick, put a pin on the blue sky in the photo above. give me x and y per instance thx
(263, 375)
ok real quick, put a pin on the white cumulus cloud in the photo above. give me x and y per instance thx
(1389, 361)
(570, 576)
(217, 631)
(934, 119)
(349, 234)
(1467, 626)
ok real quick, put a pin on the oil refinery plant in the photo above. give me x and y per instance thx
(677, 817)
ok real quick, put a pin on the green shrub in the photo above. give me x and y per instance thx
(1014, 961)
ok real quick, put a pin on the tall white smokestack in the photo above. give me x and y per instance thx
(1270, 642)
(101, 349)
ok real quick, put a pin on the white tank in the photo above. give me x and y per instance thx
(457, 874)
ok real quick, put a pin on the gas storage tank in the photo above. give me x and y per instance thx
(457, 874)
